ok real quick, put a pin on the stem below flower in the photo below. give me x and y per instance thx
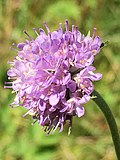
(110, 119)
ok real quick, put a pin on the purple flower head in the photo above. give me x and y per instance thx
(52, 75)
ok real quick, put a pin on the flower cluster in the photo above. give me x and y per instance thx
(52, 75)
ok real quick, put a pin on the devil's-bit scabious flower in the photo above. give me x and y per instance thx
(52, 75)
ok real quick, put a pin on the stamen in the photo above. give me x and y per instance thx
(12, 77)
(13, 105)
(46, 26)
(14, 44)
(14, 49)
(61, 128)
(60, 24)
(102, 45)
(35, 30)
(67, 25)
(11, 63)
(8, 82)
(69, 130)
(49, 130)
(55, 127)
(24, 115)
(45, 128)
(34, 122)
(7, 86)
(94, 31)
(76, 28)
(73, 28)
(70, 125)
(28, 42)
(25, 32)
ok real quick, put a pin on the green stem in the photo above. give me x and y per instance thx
(110, 119)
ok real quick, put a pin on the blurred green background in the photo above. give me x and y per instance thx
(90, 138)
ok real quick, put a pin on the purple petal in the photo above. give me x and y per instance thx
(84, 99)
(66, 79)
(42, 106)
(72, 86)
(35, 49)
(11, 73)
(54, 99)
(80, 111)
(95, 76)
(21, 45)
(64, 109)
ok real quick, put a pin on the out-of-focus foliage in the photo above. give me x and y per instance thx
(90, 138)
